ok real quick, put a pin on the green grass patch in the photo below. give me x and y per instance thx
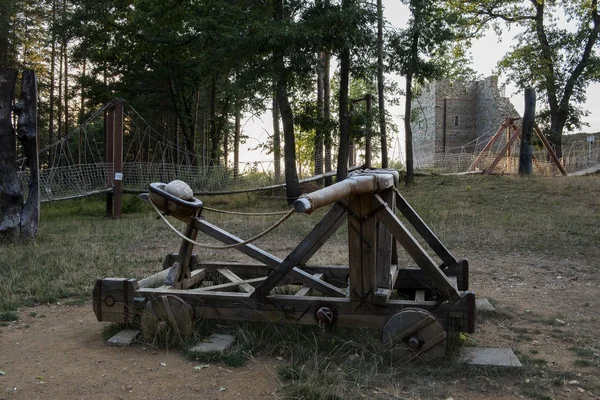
(8, 316)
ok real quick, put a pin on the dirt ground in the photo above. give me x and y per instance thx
(548, 309)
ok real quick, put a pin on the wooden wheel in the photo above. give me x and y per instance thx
(167, 315)
(414, 334)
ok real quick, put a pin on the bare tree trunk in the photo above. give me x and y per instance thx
(66, 59)
(327, 116)
(26, 109)
(236, 144)
(60, 95)
(410, 178)
(11, 196)
(276, 139)
(318, 144)
(52, 82)
(380, 86)
(342, 166)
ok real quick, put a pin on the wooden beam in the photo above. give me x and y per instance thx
(489, 144)
(415, 251)
(314, 239)
(509, 143)
(384, 242)
(402, 277)
(264, 257)
(426, 233)
(550, 150)
(229, 285)
(300, 309)
(245, 287)
(338, 213)
(305, 290)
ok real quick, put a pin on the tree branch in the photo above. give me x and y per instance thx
(585, 58)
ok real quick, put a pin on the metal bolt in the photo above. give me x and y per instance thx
(414, 342)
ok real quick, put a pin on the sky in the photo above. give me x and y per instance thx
(486, 52)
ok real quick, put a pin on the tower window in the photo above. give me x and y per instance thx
(456, 120)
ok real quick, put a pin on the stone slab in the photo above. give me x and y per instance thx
(484, 305)
(216, 343)
(500, 357)
(124, 338)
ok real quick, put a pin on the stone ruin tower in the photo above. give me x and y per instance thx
(450, 115)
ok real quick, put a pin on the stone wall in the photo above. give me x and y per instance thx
(471, 109)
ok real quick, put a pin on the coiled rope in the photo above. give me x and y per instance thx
(214, 247)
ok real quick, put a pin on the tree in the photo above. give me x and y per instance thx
(558, 62)
(420, 52)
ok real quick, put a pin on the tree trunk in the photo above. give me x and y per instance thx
(52, 81)
(236, 144)
(380, 86)
(26, 109)
(318, 144)
(408, 130)
(11, 196)
(60, 96)
(557, 124)
(327, 116)
(526, 151)
(342, 166)
(276, 139)
(292, 186)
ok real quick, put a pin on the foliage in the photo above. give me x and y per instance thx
(555, 52)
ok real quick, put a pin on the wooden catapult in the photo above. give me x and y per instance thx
(415, 306)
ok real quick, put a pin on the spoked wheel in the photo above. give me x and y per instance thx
(167, 316)
(414, 334)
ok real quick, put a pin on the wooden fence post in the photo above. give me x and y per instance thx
(526, 150)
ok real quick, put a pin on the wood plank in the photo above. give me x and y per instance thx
(295, 309)
(229, 285)
(384, 245)
(421, 227)
(369, 247)
(266, 258)
(401, 277)
(509, 143)
(381, 296)
(550, 150)
(170, 315)
(197, 276)
(314, 239)
(305, 290)
(416, 252)
(245, 287)
(419, 295)
(355, 250)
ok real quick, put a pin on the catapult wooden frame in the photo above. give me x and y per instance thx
(358, 295)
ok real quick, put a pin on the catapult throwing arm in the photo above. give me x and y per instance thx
(353, 185)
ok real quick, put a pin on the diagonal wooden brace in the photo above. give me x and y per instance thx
(268, 259)
(415, 251)
(312, 241)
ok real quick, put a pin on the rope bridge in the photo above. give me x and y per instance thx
(76, 165)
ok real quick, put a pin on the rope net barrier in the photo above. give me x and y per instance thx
(76, 164)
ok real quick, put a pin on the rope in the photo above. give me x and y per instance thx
(245, 213)
(208, 246)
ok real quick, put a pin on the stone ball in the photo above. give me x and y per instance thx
(180, 189)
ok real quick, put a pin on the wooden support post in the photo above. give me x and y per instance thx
(118, 160)
(421, 227)
(362, 248)
(415, 251)
(526, 150)
(509, 143)
(109, 135)
(368, 147)
(490, 143)
(550, 150)
(384, 245)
